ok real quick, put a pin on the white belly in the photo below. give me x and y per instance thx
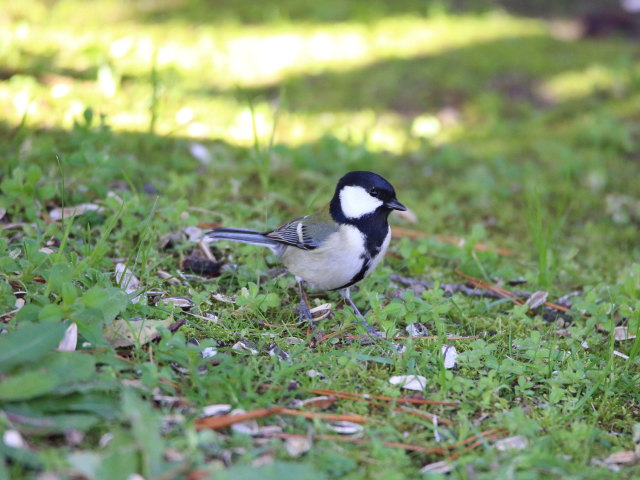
(335, 263)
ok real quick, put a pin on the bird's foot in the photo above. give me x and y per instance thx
(370, 329)
(304, 314)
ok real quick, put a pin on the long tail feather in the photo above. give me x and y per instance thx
(243, 235)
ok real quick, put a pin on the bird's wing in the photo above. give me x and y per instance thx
(306, 233)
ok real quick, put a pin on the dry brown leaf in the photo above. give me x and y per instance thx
(125, 334)
(627, 457)
(224, 421)
(323, 402)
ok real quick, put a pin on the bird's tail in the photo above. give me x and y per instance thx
(253, 237)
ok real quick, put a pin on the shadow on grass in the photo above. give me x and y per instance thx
(512, 68)
(366, 11)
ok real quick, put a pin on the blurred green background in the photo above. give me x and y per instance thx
(472, 108)
(515, 124)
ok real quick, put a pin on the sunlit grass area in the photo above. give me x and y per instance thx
(512, 137)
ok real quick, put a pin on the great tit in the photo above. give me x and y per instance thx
(338, 245)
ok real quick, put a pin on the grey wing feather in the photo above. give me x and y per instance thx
(302, 234)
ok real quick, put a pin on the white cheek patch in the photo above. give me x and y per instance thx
(356, 202)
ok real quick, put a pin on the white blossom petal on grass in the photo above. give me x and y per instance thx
(517, 442)
(417, 329)
(223, 298)
(441, 467)
(246, 346)
(298, 446)
(249, 427)
(344, 427)
(536, 299)
(194, 234)
(450, 355)
(321, 311)
(200, 152)
(13, 438)
(622, 333)
(410, 382)
(620, 354)
(127, 280)
(180, 302)
(69, 212)
(70, 339)
(209, 352)
(216, 409)
(274, 350)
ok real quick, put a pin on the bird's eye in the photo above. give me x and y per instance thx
(374, 192)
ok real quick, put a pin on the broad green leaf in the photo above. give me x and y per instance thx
(59, 275)
(108, 301)
(95, 403)
(145, 425)
(275, 471)
(20, 456)
(28, 343)
(27, 385)
(70, 366)
(30, 422)
(51, 313)
(85, 462)
(54, 370)
(119, 464)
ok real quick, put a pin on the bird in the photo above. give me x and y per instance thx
(338, 245)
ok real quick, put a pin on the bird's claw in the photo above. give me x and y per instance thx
(370, 329)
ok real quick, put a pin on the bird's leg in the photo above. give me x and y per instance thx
(305, 314)
(345, 294)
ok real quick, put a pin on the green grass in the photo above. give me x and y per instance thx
(491, 128)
